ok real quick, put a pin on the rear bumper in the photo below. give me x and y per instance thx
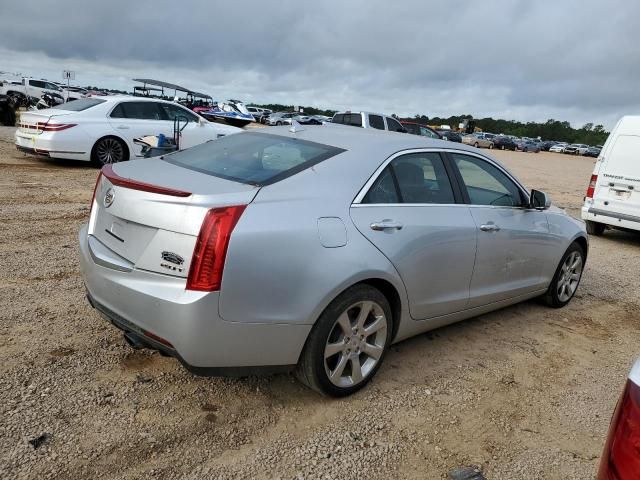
(138, 301)
(42, 146)
(613, 219)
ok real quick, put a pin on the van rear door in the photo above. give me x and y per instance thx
(618, 189)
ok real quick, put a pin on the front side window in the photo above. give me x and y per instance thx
(486, 184)
(376, 121)
(413, 178)
(393, 125)
(428, 133)
(172, 111)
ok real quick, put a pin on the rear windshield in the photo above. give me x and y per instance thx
(79, 105)
(253, 158)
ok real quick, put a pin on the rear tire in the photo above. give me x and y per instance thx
(475, 144)
(348, 343)
(595, 228)
(109, 150)
(567, 278)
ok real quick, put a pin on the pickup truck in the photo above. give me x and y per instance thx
(25, 89)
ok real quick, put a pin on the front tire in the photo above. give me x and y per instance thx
(595, 228)
(348, 343)
(567, 277)
(109, 150)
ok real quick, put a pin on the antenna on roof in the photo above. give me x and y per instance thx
(295, 127)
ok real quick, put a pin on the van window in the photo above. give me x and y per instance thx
(624, 159)
(376, 121)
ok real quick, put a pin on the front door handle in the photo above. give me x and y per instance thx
(123, 127)
(489, 227)
(386, 225)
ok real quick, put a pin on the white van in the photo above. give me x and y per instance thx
(613, 195)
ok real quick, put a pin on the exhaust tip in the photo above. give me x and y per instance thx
(133, 341)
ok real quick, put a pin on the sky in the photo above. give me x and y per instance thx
(514, 59)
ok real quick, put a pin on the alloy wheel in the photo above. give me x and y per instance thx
(570, 274)
(109, 150)
(355, 344)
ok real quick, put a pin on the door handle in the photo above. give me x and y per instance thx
(386, 225)
(489, 227)
(123, 127)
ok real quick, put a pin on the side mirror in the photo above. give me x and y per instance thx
(539, 200)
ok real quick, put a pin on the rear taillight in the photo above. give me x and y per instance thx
(592, 186)
(95, 188)
(205, 273)
(54, 127)
(621, 457)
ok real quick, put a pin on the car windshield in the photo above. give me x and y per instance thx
(79, 105)
(253, 158)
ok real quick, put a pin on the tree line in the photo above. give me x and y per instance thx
(549, 130)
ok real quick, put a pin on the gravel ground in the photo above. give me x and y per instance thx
(525, 392)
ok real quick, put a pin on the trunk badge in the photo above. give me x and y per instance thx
(172, 258)
(109, 197)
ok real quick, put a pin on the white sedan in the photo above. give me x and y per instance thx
(558, 148)
(102, 130)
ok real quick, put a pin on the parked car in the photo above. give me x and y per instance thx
(592, 152)
(281, 118)
(417, 129)
(546, 145)
(102, 129)
(71, 92)
(478, 140)
(620, 459)
(575, 148)
(181, 251)
(258, 112)
(558, 147)
(613, 195)
(528, 146)
(368, 120)
(502, 142)
(450, 135)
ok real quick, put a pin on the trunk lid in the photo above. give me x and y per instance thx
(32, 122)
(157, 231)
(619, 186)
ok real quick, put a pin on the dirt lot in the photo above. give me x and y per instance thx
(525, 392)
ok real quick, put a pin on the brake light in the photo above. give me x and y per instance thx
(53, 127)
(116, 179)
(621, 457)
(95, 188)
(207, 263)
(592, 186)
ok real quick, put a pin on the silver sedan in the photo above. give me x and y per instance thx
(315, 249)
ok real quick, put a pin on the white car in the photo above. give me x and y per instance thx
(102, 129)
(613, 195)
(558, 147)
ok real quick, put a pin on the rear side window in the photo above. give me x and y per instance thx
(253, 158)
(414, 178)
(376, 121)
(139, 111)
(338, 118)
(79, 105)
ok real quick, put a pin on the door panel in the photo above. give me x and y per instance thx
(513, 240)
(433, 252)
(509, 261)
(137, 119)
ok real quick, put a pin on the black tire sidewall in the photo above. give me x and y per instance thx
(314, 350)
(551, 297)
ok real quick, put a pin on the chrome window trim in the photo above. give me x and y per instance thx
(357, 201)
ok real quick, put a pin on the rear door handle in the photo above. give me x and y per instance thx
(386, 225)
(489, 227)
(123, 127)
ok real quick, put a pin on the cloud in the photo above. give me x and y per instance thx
(573, 60)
